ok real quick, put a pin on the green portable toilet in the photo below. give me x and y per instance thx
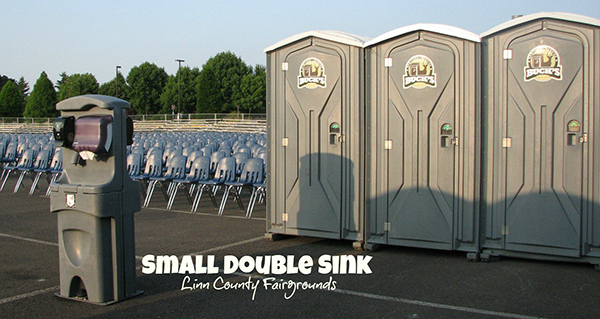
(541, 101)
(314, 112)
(423, 151)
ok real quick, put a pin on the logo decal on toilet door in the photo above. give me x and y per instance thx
(312, 74)
(543, 64)
(419, 73)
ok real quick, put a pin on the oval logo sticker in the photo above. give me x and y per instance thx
(312, 74)
(543, 64)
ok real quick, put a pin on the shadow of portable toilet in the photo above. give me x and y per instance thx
(95, 222)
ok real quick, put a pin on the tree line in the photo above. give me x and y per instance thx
(225, 84)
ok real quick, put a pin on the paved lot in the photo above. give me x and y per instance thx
(405, 282)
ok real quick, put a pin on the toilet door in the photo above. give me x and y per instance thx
(313, 144)
(421, 145)
(544, 143)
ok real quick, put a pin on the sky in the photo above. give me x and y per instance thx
(81, 36)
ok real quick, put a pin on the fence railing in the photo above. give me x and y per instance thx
(35, 125)
(26, 120)
(151, 117)
(199, 116)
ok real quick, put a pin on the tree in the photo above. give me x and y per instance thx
(77, 84)
(170, 95)
(3, 80)
(12, 103)
(63, 79)
(23, 87)
(252, 94)
(42, 101)
(218, 81)
(109, 88)
(147, 82)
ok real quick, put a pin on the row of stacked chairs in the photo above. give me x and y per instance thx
(200, 163)
(31, 155)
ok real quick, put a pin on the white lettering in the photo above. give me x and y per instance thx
(164, 264)
(246, 264)
(278, 265)
(230, 264)
(211, 268)
(148, 266)
(187, 265)
(554, 72)
(193, 286)
(262, 264)
(305, 264)
(324, 264)
(363, 264)
(345, 264)
(409, 80)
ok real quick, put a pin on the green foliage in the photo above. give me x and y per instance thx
(3, 80)
(170, 95)
(147, 82)
(225, 84)
(77, 84)
(23, 87)
(42, 101)
(63, 79)
(218, 81)
(251, 95)
(110, 89)
(12, 103)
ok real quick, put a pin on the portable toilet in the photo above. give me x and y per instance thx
(423, 118)
(314, 98)
(541, 96)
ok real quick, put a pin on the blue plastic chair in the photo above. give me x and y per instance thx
(245, 149)
(42, 161)
(207, 150)
(240, 161)
(55, 169)
(187, 150)
(134, 164)
(191, 158)
(252, 173)
(3, 145)
(259, 192)
(226, 149)
(9, 159)
(225, 172)
(215, 157)
(153, 168)
(200, 171)
(175, 170)
(25, 162)
(47, 172)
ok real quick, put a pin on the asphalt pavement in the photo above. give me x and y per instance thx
(402, 283)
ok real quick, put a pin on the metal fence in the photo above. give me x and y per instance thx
(26, 120)
(200, 116)
(173, 121)
(151, 117)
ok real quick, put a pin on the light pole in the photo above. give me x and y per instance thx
(117, 81)
(179, 85)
